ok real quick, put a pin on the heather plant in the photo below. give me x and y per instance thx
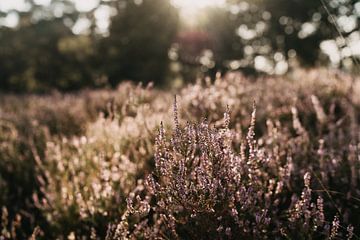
(29, 123)
(73, 164)
(13, 228)
(276, 95)
(202, 188)
(18, 175)
(85, 179)
(68, 114)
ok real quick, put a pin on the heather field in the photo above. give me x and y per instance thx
(226, 158)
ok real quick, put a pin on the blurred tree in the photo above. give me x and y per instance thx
(42, 56)
(59, 46)
(297, 25)
(266, 35)
(42, 53)
(140, 37)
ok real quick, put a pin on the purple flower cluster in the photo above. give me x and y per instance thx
(204, 188)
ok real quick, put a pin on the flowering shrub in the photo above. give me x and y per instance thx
(86, 179)
(90, 165)
(202, 188)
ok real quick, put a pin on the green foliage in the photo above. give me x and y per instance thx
(42, 56)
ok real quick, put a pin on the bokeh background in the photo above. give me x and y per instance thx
(72, 44)
(80, 152)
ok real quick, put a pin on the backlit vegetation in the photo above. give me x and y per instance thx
(227, 158)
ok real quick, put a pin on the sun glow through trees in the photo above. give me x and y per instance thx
(190, 10)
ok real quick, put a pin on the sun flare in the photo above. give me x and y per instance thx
(190, 10)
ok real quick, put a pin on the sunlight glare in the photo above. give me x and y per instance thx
(191, 9)
(86, 6)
